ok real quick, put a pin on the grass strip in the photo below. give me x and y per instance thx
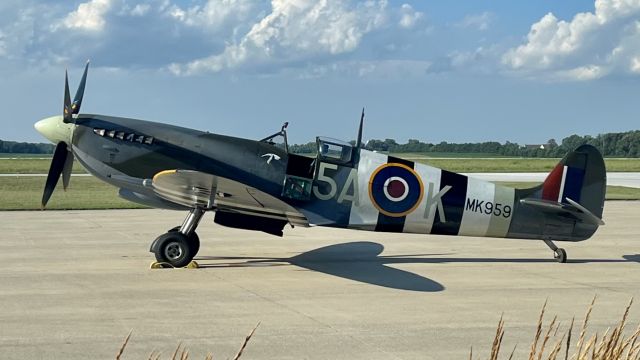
(25, 193)
(613, 192)
(40, 166)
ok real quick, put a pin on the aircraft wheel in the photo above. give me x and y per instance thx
(193, 238)
(175, 249)
(560, 255)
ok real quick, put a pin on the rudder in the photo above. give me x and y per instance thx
(580, 176)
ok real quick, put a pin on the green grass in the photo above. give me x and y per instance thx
(613, 192)
(520, 164)
(31, 166)
(11, 155)
(441, 155)
(41, 166)
(25, 193)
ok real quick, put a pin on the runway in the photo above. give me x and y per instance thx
(74, 283)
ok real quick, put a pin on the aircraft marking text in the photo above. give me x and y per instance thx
(488, 208)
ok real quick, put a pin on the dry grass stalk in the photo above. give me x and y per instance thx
(124, 345)
(175, 353)
(536, 338)
(566, 353)
(181, 352)
(613, 345)
(497, 341)
(583, 331)
(547, 336)
(246, 341)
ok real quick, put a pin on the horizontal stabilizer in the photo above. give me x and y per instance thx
(572, 209)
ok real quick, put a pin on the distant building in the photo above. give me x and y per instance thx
(536, 146)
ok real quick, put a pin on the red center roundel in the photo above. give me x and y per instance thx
(396, 188)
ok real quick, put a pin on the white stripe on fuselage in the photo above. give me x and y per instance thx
(363, 214)
(564, 178)
(421, 219)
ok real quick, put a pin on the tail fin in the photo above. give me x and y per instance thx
(579, 178)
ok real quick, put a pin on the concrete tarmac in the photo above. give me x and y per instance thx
(74, 283)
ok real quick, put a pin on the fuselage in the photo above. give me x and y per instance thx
(374, 191)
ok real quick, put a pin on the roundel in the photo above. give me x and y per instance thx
(395, 189)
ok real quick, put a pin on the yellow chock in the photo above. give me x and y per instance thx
(164, 265)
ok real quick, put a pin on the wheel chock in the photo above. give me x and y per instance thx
(164, 265)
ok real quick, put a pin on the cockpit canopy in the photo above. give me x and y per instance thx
(334, 150)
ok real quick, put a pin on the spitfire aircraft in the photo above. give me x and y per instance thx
(260, 185)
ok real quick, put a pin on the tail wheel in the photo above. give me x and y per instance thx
(560, 255)
(193, 238)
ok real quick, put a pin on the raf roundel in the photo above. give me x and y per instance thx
(395, 189)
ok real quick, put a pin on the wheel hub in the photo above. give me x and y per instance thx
(173, 251)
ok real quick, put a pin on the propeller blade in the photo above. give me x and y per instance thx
(77, 100)
(55, 169)
(66, 114)
(66, 171)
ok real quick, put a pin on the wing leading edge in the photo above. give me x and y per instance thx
(198, 189)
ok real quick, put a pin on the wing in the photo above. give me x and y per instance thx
(197, 189)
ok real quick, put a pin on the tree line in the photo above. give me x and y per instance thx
(14, 147)
(624, 144)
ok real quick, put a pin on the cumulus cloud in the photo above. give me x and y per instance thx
(88, 16)
(198, 36)
(408, 16)
(476, 21)
(378, 69)
(296, 30)
(214, 14)
(590, 46)
(480, 60)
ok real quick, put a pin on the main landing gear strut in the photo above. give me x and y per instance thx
(179, 246)
(558, 253)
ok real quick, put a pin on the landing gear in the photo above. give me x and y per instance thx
(558, 253)
(179, 246)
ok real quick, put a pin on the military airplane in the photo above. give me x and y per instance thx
(260, 185)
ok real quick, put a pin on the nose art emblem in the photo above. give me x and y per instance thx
(271, 157)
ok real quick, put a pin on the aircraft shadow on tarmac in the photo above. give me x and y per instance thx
(361, 261)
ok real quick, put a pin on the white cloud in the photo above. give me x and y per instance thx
(590, 46)
(378, 69)
(88, 16)
(477, 21)
(408, 16)
(3, 45)
(140, 10)
(214, 14)
(296, 30)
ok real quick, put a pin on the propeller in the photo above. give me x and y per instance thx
(73, 108)
(62, 162)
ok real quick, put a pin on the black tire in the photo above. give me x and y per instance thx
(194, 238)
(175, 249)
(560, 255)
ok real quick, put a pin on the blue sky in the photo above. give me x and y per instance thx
(434, 71)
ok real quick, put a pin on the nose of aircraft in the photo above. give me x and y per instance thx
(54, 129)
